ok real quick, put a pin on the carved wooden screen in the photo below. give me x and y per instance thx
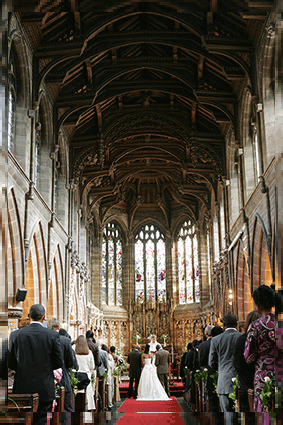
(150, 269)
(188, 268)
(112, 265)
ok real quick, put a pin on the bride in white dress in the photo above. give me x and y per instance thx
(150, 387)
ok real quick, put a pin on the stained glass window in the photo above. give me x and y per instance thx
(150, 265)
(188, 266)
(112, 266)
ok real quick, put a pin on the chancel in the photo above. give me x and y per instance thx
(142, 167)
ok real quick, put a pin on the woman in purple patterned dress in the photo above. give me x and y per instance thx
(260, 342)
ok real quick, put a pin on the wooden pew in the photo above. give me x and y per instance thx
(60, 399)
(251, 399)
(23, 402)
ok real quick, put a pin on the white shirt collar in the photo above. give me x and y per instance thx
(228, 329)
(39, 323)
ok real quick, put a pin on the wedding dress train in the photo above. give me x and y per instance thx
(150, 387)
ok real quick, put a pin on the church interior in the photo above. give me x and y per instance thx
(141, 184)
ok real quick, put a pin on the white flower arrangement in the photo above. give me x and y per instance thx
(267, 379)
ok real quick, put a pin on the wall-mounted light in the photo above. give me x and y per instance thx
(230, 296)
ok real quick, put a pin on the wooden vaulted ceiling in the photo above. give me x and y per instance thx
(145, 94)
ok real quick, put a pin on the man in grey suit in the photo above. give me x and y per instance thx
(221, 358)
(162, 362)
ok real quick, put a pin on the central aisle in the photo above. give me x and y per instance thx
(151, 412)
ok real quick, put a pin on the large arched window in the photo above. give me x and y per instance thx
(112, 265)
(188, 268)
(11, 105)
(150, 266)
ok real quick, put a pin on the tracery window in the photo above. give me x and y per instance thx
(188, 267)
(150, 265)
(112, 264)
(11, 118)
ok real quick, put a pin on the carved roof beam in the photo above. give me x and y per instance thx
(175, 54)
(120, 102)
(114, 56)
(200, 72)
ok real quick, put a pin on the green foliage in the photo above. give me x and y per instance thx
(234, 394)
(74, 381)
(105, 374)
(204, 374)
(214, 378)
(92, 378)
(197, 375)
(267, 392)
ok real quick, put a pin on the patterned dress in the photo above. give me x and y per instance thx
(260, 348)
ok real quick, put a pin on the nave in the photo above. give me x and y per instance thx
(142, 167)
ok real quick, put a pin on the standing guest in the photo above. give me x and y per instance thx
(216, 330)
(93, 347)
(103, 366)
(101, 369)
(86, 364)
(22, 323)
(111, 364)
(68, 361)
(152, 347)
(34, 353)
(245, 371)
(183, 363)
(260, 343)
(114, 355)
(162, 362)
(189, 365)
(221, 356)
(203, 351)
(134, 360)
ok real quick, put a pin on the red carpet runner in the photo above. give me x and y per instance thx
(176, 390)
(150, 412)
(132, 406)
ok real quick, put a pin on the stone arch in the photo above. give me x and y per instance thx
(243, 291)
(248, 144)
(22, 91)
(43, 162)
(56, 287)
(233, 177)
(268, 94)
(261, 265)
(36, 273)
(15, 258)
(62, 169)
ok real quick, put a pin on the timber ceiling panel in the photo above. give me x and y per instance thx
(145, 93)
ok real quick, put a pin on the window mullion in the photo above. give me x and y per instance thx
(185, 268)
(115, 271)
(144, 269)
(155, 269)
(107, 265)
(193, 268)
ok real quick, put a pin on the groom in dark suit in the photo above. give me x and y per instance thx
(221, 356)
(134, 359)
(162, 362)
(34, 353)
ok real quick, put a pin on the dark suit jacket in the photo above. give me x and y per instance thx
(203, 353)
(95, 351)
(162, 361)
(183, 364)
(222, 353)
(34, 353)
(244, 370)
(190, 359)
(134, 358)
(68, 361)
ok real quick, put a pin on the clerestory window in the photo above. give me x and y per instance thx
(188, 267)
(112, 265)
